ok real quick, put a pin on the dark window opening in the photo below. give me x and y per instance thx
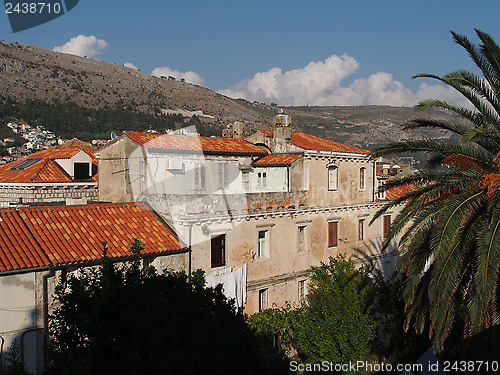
(218, 256)
(81, 171)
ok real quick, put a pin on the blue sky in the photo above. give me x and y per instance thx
(356, 52)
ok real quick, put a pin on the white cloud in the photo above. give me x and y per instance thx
(82, 45)
(130, 65)
(320, 83)
(189, 76)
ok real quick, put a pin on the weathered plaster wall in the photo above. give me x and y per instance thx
(286, 262)
(18, 313)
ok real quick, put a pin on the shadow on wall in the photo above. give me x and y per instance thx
(377, 260)
(22, 348)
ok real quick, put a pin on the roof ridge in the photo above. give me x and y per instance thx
(75, 206)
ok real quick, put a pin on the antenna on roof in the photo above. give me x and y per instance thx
(113, 135)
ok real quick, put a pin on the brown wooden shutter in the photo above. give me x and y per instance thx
(387, 224)
(332, 233)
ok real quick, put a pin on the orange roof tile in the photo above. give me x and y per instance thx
(194, 143)
(398, 191)
(44, 169)
(277, 160)
(312, 142)
(18, 248)
(61, 235)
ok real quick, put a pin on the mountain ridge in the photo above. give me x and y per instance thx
(31, 73)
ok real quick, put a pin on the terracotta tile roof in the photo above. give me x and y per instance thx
(18, 248)
(51, 173)
(399, 191)
(312, 142)
(28, 169)
(75, 142)
(277, 160)
(61, 235)
(193, 143)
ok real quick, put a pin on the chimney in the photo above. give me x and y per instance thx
(283, 127)
(236, 130)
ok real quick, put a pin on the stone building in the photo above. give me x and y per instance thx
(275, 202)
(61, 174)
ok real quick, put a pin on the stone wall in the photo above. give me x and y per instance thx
(13, 195)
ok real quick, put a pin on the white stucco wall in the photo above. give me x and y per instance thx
(80, 157)
(18, 314)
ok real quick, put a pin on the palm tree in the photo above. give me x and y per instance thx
(450, 224)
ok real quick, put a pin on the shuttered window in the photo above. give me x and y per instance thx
(223, 175)
(361, 229)
(332, 177)
(218, 253)
(333, 228)
(200, 176)
(387, 224)
(362, 178)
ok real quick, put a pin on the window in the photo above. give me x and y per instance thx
(223, 175)
(218, 253)
(333, 233)
(333, 174)
(301, 290)
(245, 178)
(262, 179)
(380, 194)
(362, 178)
(263, 299)
(387, 224)
(361, 229)
(200, 176)
(302, 237)
(81, 171)
(263, 245)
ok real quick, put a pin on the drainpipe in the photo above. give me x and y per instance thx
(374, 183)
(190, 252)
(1, 354)
(46, 316)
(288, 178)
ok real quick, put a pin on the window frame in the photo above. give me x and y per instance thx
(362, 178)
(262, 179)
(265, 241)
(78, 168)
(263, 299)
(333, 228)
(200, 176)
(302, 246)
(301, 290)
(361, 229)
(218, 250)
(333, 170)
(387, 225)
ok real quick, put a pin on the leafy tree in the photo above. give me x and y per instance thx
(128, 320)
(450, 244)
(334, 323)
